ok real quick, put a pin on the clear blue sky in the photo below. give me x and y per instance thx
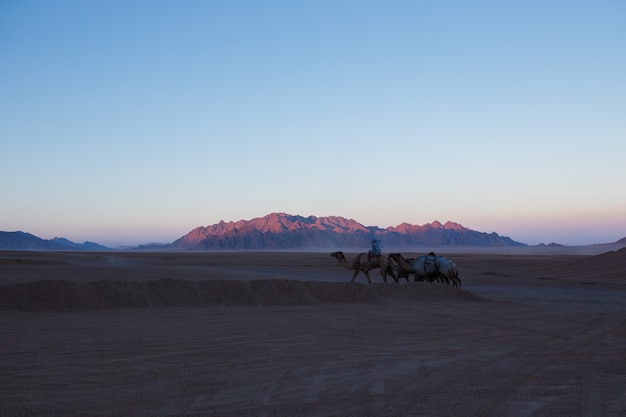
(126, 122)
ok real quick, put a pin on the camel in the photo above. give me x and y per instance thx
(364, 263)
(400, 271)
(430, 267)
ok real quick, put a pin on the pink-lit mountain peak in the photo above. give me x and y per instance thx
(280, 222)
(453, 226)
(408, 228)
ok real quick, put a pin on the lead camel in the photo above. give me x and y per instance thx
(364, 263)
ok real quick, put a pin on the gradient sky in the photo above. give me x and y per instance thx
(126, 122)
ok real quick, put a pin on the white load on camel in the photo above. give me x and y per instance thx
(427, 265)
(434, 267)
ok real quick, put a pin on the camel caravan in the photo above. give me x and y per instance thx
(429, 268)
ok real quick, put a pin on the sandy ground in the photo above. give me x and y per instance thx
(285, 334)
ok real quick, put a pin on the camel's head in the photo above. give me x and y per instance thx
(338, 255)
(394, 256)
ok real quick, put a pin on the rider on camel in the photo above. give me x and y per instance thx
(375, 249)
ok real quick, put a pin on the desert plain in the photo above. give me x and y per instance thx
(531, 333)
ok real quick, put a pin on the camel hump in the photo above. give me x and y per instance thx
(374, 258)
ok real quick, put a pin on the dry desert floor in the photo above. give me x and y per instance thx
(287, 334)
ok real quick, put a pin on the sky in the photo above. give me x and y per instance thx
(128, 122)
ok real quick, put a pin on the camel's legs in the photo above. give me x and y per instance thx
(367, 274)
(387, 270)
(356, 272)
(457, 282)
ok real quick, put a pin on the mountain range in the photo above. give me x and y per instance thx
(27, 241)
(281, 231)
(278, 231)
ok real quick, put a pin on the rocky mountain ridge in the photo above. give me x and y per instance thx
(282, 231)
(277, 231)
(27, 241)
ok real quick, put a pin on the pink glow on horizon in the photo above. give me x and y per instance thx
(566, 230)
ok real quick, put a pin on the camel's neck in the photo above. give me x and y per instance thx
(344, 262)
(404, 263)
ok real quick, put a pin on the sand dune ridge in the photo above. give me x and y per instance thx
(71, 295)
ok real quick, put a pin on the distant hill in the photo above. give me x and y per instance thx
(26, 241)
(279, 231)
